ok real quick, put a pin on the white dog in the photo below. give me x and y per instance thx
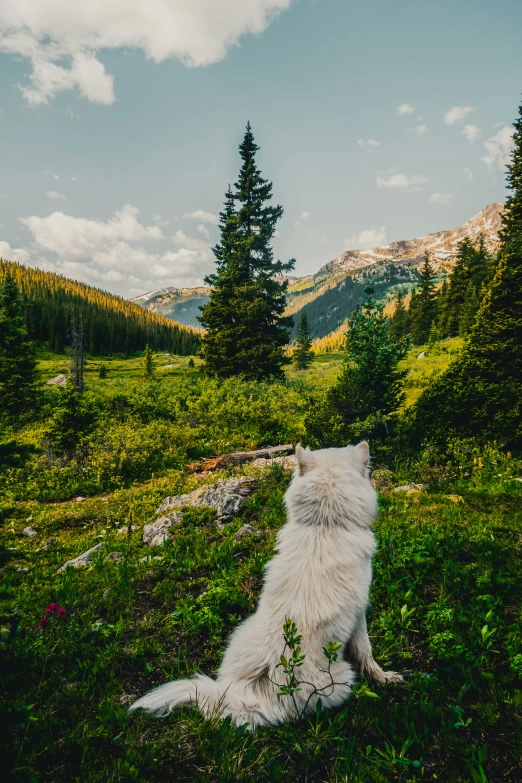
(320, 579)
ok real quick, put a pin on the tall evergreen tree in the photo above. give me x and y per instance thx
(469, 309)
(442, 310)
(18, 372)
(369, 389)
(246, 330)
(425, 310)
(149, 365)
(399, 322)
(480, 267)
(458, 286)
(302, 355)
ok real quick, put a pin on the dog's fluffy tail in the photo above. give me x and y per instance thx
(204, 694)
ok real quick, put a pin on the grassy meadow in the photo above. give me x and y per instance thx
(446, 597)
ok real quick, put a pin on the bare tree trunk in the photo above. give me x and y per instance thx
(77, 363)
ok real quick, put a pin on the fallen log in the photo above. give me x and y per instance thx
(238, 458)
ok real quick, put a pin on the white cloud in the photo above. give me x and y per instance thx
(470, 132)
(202, 216)
(368, 144)
(303, 217)
(122, 251)
(457, 113)
(468, 174)
(402, 182)
(54, 194)
(62, 38)
(13, 253)
(405, 108)
(367, 239)
(203, 230)
(442, 198)
(78, 238)
(420, 130)
(498, 149)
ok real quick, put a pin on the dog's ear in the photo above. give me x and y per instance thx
(362, 452)
(305, 459)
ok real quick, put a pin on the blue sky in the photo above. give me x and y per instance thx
(119, 128)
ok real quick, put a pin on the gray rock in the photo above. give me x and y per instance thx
(382, 480)
(121, 530)
(82, 560)
(156, 533)
(411, 488)
(30, 532)
(79, 499)
(59, 380)
(227, 496)
(422, 355)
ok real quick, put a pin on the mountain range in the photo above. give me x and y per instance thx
(330, 295)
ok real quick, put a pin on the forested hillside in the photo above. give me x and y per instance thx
(110, 323)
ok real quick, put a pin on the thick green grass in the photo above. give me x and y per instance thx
(445, 607)
(445, 610)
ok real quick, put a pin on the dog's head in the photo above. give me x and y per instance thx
(350, 458)
(332, 486)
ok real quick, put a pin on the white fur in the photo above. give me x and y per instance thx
(320, 579)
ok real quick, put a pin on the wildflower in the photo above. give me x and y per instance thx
(56, 610)
(51, 610)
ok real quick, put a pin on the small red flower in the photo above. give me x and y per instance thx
(56, 610)
(44, 622)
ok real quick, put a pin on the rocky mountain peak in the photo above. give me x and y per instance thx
(442, 245)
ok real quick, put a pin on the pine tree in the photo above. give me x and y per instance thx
(470, 309)
(480, 267)
(425, 309)
(302, 355)
(149, 366)
(246, 330)
(442, 310)
(399, 322)
(73, 420)
(18, 371)
(511, 233)
(480, 395)
(102, 371)
(369, 389)
(458, 286)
